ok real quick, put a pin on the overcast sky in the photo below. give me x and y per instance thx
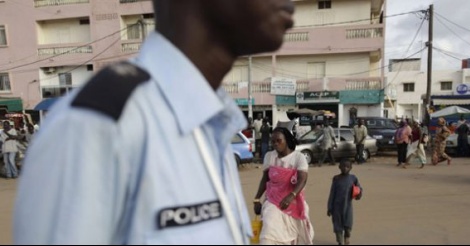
(402, 29)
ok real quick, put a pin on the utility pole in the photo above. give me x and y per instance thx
(250, 97)
(429, 75)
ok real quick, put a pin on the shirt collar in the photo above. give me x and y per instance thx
(181, 83)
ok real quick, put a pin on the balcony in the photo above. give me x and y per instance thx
(333, 40)
(130, 47)
(363, 84)
(65, 50)
(47, 3)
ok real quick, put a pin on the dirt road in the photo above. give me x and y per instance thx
(399, 206)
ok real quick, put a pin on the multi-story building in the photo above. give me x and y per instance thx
(49, 47)
(407, 84)
(331, 60)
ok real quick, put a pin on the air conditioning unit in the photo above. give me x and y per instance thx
(49, 70)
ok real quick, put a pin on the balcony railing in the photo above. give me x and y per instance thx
(130, 47)
(131, 1)
(363, 84)
(364, 33)
(65, 50)
(231, 88)
(296, 37)
(46, 3)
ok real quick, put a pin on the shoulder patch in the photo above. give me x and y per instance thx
(108, 91)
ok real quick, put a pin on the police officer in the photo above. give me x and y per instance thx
(141, 153)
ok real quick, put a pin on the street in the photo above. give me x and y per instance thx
(399, 206)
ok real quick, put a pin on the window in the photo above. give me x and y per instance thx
(48, 92)
(134, 31)
(4, 82)
(65, 79)
(84, 22)
(3, 35)
(409, 87)
(324, 4)
(148, 16)
(446, 86)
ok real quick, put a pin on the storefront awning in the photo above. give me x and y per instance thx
(45, 104)
(451, 101)
(11, 104)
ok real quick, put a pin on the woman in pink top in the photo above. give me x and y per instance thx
(402, 139)
(284, 211)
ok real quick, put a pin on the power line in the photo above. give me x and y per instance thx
(452, 53)
(443, 17)
(359, 20)
(447, 54)
(407, 50)
(91, 59)
(63, 53)
(325, 24)
(452, 31)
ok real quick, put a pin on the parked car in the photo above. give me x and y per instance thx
(242, 149)
(452, 144)
(382, 129)
(308, 145)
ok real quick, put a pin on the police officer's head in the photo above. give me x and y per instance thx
(241, 26)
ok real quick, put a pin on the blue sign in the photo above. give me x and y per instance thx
(462, 89)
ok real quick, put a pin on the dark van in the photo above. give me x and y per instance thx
(382, 129)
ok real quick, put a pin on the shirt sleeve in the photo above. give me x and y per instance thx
(71, 189)
(267, 160)
(302, 164)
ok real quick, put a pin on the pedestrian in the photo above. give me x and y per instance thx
(248, 131)
(265, 137)
(9, 138)
(284, 212)
(462, 137)
(438, 153)
(340, 206)
(402, 139)
(141, 153)
(257, 123)
(416, 146)
(360, 135)
(327, 143)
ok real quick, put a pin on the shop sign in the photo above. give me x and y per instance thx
(244, 101)
(318, 97)
(283, 86)
(462, 89)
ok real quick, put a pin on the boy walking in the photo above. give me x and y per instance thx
(340, 202)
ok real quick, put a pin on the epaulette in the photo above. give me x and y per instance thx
(107, 92)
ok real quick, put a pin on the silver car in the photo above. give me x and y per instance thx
(308, 145)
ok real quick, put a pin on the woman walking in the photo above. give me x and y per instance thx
(402, 139)
(284, 211)
(438, 153)
(416, 148)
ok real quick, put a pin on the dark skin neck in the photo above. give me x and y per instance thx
(198, 41)
(286, 152)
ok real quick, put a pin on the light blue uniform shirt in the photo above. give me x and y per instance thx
(91, 179)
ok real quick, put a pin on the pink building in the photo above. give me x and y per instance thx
(336, 45)
(49, 47)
